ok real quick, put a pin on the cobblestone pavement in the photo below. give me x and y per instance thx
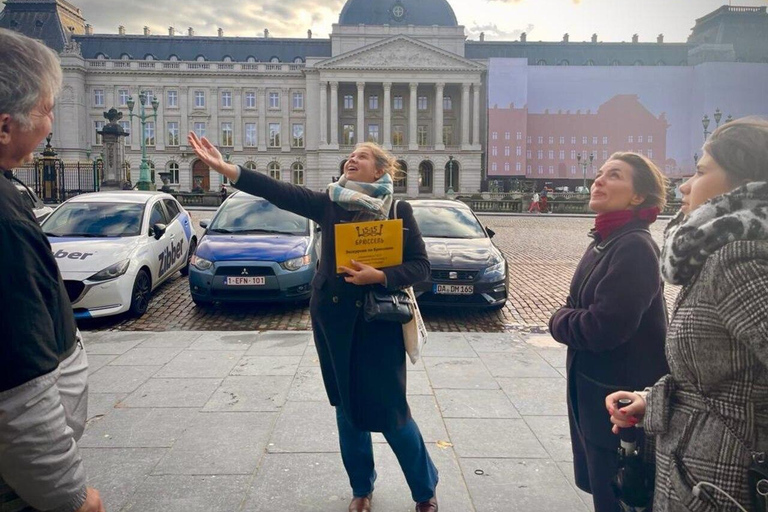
(542, 252)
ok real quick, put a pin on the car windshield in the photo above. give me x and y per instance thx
(447, 222)
(95, 220)
(247, 214)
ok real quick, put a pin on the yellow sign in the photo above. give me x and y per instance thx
(378, 243)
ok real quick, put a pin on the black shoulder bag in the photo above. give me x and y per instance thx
(381, 305)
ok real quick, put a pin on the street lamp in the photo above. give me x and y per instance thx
(450, 191)
(717, 116)
(144, 178)
(584, 166)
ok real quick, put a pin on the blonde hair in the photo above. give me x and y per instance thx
(647, 179)
(383, 159)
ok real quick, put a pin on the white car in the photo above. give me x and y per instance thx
(40, 209)
(114, 248)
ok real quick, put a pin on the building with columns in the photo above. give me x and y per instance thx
(398, 72)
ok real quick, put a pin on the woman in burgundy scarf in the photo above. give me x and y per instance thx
(614, 321)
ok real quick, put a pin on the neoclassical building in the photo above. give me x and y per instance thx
(398, 72)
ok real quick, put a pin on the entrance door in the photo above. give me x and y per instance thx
(201, 177)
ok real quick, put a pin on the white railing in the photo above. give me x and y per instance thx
(147, 65)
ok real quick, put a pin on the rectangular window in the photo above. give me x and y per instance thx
(528, 169)
(551, 140)
(573, 154)
(448, 135)
(227, 137)
(562, 140)
(397, 103)
(373, 102)
(373, 133)
(348, 132)
(551, 154)
(506, 150)
(551, 169)
(630, 139)
(540, 154)
(573, 169)
(494, 151)
(274, 135)
(98, 97)
(122, 97)
(528, 139)
(519, 136)
(594, 140)
(573, 140)
(200, 130)
(495, 135)
(605, 154)
(173, 179)
(447, 103)
(540, 169)
(518, 166)
(298, 101)
(639, 139)
(605, 140)
(226, 99)
(172, 100)
(519, 151)
(173, 133)
(250, 135)
(298, 136)
(562, 154)
(126, 126)
(494, 167)
(506, 166)
(398, 135)
(274, 100)
(650, 139)
(540, 139)
(422, 135)
(149, 133)
(98, 126)
(199, 99)
(528, 153)
(250, 99)
(584, 140)
(650, 153)
(506, 135)
(422, 103)
(349, 102)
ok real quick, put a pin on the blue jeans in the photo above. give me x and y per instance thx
(406, 443)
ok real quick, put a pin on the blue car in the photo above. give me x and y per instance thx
(252, 251)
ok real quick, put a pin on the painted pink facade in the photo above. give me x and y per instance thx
(546, 145)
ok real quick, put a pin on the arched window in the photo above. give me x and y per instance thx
(589, 62)
(200, 58)
(251, 58)
(274, 171)
(297, 174)
(401, 178)
(638, 63)
(564, 62)
(452, 175)
(250, 164)
(275, 60)
(173, 58)
(149, 56)
(100, 56)
(151, 165)
(173, 168)
(227, 58)
(615, 62)
(298, 60)
(426, 171)
(661, 63)
(125, 56)
(541, 62)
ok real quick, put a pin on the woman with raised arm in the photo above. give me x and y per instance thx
(362, 363)
(614, 321)
(709, 414)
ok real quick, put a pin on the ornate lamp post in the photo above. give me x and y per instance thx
(450, 191)
(717, 116)
(144, 178)
(584, 166)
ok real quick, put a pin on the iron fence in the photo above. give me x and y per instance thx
(55, 181)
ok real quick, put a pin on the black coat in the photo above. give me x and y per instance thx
(615, 330)
(363, 363)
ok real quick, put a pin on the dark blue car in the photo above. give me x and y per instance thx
(252, 251)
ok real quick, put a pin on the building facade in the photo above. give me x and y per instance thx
(401, 74)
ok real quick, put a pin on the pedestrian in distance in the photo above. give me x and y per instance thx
(709, 414)
(535, 203)
(543, 201)
(43, 366)
(362, 363)
(614, 321)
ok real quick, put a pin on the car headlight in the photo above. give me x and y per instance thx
(111, 271)
(495, 272)
(200, 263)
(296, 263)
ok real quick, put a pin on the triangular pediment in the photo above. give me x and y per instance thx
(400, 52)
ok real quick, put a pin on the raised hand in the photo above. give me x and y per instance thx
(211, 156)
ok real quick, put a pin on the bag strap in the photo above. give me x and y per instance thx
(601, 250)
(394, 208)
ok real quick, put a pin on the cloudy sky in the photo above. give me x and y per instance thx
(546, 20)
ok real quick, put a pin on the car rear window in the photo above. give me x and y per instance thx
(95, 220)
(447, 222)
(248, 214)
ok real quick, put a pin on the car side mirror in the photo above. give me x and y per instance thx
(490, 232)
(204, 223)
(158, 230)
(317, 228)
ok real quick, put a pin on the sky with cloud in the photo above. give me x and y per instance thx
(545, 20)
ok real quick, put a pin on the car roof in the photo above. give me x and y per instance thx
(119, 196)
(438, 203)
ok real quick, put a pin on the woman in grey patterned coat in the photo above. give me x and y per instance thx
(711, 412)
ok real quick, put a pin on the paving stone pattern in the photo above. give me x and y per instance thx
(542, 252)
(239, 421)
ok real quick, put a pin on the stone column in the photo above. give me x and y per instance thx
(239, 127)
(184, 114)
(261, 105)
(214, 131)
(335, 114)
(387, 115)
(476, 115)
(439, 87)
(361, 135)
(160, 124)
(413, 111)
(114, 153)
(323, 113)
(464, 116)
(286, 104)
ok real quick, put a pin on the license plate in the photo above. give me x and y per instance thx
(454, 289)
(245, 281)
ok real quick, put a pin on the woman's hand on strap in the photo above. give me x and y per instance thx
(211, 156)
(362, 274)
(628, 416)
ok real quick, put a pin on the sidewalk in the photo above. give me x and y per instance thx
(238, 421)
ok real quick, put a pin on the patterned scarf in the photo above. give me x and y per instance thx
(372, 200)
(741, 214)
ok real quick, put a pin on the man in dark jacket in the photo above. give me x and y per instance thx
(43, 367)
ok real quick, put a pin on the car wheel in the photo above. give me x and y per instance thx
(201, 303)
(142, 291)
(497, 307)
(192, 247)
